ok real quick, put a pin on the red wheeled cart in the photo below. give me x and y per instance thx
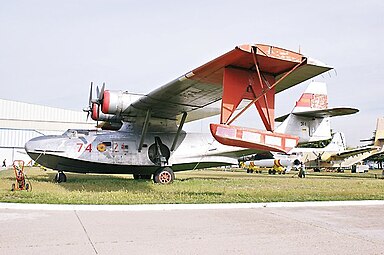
(21, 182)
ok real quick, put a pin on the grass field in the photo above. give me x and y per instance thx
(203, 186)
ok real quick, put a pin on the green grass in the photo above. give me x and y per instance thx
(203, 186)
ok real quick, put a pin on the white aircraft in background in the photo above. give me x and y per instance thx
(151, 141)
(310, 111)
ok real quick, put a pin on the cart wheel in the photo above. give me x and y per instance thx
(13, 187)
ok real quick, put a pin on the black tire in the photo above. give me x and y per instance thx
(13, 187)
(273, 171)
(60, 177)
(64, 177)
(27, 187)
(269, 171)
(164, 176)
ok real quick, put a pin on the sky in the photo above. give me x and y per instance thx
(51, 50)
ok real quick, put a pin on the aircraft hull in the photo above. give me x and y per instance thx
(65, 164)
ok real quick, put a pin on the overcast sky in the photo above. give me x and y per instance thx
(50, 50)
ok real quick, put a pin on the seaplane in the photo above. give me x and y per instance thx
(150, 142)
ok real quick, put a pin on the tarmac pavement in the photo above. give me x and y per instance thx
(275, 228)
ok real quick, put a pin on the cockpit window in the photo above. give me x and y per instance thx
(76, 132)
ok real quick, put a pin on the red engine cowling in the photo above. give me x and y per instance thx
(100, 116)
(116, 102)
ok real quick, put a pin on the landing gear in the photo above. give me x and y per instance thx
(164, 175)
(60, 177)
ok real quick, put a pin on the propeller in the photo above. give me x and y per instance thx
(88, 109)
(100, 96)
(94, 104)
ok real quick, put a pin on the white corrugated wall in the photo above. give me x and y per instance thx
(16, 138)
(20, 122)
(24, 111)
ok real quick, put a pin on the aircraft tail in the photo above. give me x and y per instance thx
(379, 133)
(314, 98)
(302, 121)
(310, 118)
(337, 143)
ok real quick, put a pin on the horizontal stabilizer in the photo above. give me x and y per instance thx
(323, 113)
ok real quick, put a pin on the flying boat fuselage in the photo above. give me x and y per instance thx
(117, 152)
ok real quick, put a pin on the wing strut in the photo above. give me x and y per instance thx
(255, 86)
(183, 118)
(258, 84)
(145, 128)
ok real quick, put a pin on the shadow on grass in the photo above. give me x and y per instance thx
(95, 182)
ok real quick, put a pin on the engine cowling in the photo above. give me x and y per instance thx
(97, 115)
(116, 102)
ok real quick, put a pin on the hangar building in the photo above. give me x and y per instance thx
(20, 122)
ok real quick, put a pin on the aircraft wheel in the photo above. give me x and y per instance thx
(273, 171)
(60, 177)
(13, 187)
(164, 176)
(269, 171)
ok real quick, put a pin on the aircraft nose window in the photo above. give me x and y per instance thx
(72, 134)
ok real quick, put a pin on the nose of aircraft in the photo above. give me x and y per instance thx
(30, 145)
(43, 150)
(34, 145)
(43, 144)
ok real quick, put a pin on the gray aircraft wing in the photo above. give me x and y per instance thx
(196, 92)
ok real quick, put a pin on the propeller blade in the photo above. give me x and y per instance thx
(101, 95)
(97, 92)
(88, 109)
(90, 95)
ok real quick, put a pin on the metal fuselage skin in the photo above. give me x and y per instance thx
(117, 152)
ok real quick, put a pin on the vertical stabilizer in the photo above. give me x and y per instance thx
(337, 144)
(314, 98)
(309, 127)
(379, 134)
